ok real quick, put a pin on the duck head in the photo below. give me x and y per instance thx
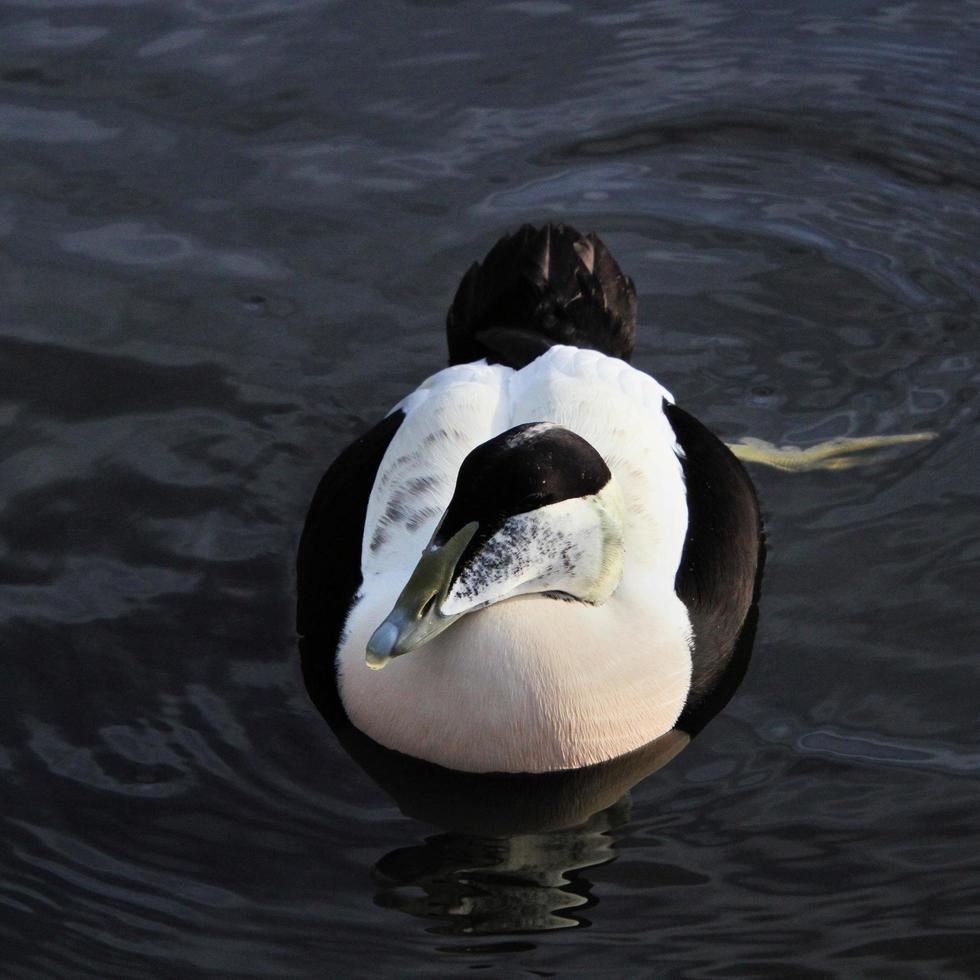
(535, 511)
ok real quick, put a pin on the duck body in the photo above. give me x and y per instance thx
(595, 547)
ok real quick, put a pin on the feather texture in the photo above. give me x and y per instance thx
(537, 288)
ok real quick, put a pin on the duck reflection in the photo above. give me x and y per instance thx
(516, 843)
(493, 885)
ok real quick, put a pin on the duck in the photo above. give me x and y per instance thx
(536, 561)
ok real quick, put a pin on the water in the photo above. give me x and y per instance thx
(231, 231)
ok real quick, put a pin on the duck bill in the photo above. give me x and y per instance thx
(416, 617)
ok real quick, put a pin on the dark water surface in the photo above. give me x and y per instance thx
(230, 232)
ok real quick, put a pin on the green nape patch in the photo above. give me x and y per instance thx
(834, 454)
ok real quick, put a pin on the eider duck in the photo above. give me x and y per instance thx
(551, 561)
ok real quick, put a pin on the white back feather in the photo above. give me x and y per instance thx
(447, 416)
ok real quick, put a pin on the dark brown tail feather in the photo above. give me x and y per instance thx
(537, 288)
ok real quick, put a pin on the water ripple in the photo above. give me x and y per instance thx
(51, 126)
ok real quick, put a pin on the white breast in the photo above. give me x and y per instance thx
(534, 683)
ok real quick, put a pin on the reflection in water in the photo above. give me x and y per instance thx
(494, 885)
(516, 841)
(841, 453)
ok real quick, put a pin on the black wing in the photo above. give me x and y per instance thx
(720, 566)
(328, 565)
(537, 288)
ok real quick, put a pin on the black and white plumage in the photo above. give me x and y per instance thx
(551, 560)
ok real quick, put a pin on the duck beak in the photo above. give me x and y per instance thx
(416, 617)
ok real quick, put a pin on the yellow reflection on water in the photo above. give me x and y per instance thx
(835, 454)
